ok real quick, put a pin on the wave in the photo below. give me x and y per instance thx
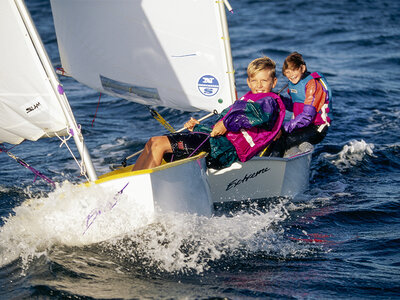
(351, 154)
(70, 215)
(172, 243)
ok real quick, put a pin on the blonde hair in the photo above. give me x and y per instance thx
(260, 64)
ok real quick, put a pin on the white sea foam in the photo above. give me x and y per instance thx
(71, 215)
(4, 189)
(351, 154)
(184, 242)
(76, 216)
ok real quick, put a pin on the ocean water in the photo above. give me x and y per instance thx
(338, 240)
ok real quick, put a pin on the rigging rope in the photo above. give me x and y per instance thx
(201, 144)
(36, 172)
(64, 142)
(97, 108)
(161, 120)
(26, 165)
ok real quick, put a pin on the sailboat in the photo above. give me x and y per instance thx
(147, 52)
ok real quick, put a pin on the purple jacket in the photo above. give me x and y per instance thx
(252, 122)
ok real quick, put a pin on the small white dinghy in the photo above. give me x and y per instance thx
(145, 51)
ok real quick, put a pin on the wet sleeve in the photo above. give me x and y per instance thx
(305, 118)
(247, 114)
(201, 128)
(236, 117)
(315, 94)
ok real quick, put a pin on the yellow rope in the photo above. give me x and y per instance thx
(262, 153)
(162, 121)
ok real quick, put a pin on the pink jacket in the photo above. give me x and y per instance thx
(250, 141)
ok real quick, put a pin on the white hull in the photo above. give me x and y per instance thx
(178, 187)
(186, 186)
(261, 178)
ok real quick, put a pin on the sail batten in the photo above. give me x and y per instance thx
(165, 53)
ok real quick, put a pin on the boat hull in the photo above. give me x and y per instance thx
(187, 186)
(261, 178)
(178, 187)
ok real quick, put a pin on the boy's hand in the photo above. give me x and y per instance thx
(191, 123)
(219, 129)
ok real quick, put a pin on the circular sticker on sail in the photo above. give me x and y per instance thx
(208, 85)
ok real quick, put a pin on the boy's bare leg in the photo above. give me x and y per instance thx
(153, 153)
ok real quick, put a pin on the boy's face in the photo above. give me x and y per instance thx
(261, 82)
(294, 75)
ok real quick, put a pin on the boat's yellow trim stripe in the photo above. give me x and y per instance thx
(127, 171)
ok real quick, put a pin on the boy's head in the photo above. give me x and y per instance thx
(294, 67)
(261, 75)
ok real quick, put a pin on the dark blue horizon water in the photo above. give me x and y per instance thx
(338, 240)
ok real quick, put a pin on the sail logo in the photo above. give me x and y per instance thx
(32, 107)
(208, 85)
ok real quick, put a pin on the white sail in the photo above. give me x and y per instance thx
(172, 53)
(29, 108)
(32, 102)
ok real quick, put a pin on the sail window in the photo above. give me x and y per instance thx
(128, 90)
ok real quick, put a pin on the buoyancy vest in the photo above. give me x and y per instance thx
(249, 142)
(298, 94)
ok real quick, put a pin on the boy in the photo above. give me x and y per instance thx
(310, 100)
(242, 129)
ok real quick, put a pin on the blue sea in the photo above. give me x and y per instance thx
(338, 240)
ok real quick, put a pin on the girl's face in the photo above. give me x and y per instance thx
(295, 75)
(261, 82)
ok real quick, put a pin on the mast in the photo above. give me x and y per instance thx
(228, 52)
(58, 90)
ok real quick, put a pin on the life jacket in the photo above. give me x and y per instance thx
(298, 94)
(249, 142)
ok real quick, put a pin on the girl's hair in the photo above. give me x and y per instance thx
(260, 64)
(294, 61)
